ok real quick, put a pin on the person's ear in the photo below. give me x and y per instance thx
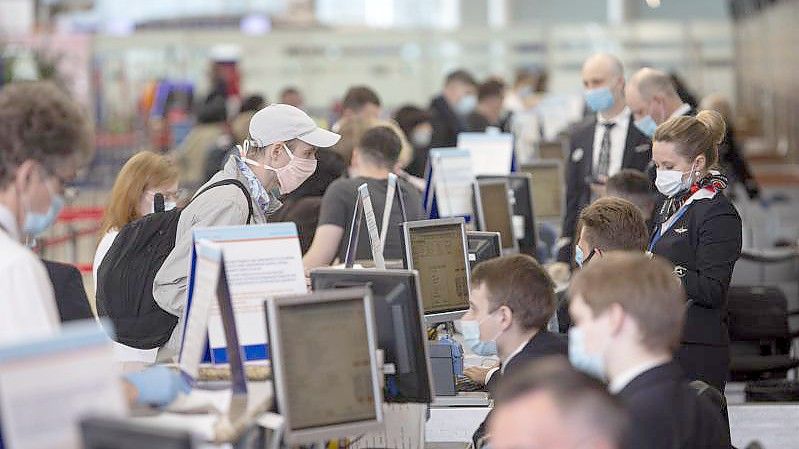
(616, 316)
(701, 164)
(276, 151)
(26, 175)
(506, 317)
(598, 253)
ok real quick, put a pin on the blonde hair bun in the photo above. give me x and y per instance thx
(714, 123)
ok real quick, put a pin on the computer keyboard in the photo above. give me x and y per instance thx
(464, 384)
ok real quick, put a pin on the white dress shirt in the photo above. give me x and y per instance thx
(682, 110)
(618, 140)
(27, 305)
(628, 376)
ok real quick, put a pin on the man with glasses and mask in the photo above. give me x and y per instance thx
(607, 224)
(653, 99)
(628, 313)
(279, 156)
(44, 140)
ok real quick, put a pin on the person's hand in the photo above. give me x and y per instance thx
(157, 386)
(477, 374)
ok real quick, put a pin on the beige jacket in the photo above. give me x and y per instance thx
(220, 206)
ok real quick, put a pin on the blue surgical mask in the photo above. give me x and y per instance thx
(466, 104)
(36, 223)
(647, 126)
(471, 336)
(590, 364)
(599, 99)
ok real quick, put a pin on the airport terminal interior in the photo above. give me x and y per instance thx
(399, 224)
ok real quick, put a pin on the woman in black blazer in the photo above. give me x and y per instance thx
(699, 231)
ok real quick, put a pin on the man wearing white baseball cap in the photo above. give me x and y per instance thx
(279, 156)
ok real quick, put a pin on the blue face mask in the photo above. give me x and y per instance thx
(647, 126)
(471, 336)
(599, 99)
(36, 223)
(590, 364)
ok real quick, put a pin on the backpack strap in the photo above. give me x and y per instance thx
(227, 182)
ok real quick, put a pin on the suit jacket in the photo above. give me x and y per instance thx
(543, 344)
(446, 124)
(667, 413)
(70, 296)
(704, 245)
(579, 167)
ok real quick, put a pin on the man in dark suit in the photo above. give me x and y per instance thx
(511, 300)
(449, 110)
(70, 296)
(628, 313)
(653, 99)
(600, 146)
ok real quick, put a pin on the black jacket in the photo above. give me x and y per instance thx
(70, 296)
(735, 166)
(579, 168)
(446, 124)
(704, 245)
(667, 413)
(543, 344)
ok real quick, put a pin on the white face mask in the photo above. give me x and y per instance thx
(672, 182)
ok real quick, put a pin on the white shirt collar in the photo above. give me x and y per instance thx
(514, 354)
(622, 116)
(8, 222)
(628, 376)
(682, 110)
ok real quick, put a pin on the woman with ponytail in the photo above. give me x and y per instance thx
(699, 231)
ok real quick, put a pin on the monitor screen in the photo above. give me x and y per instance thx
(547, 190)
(496, 211)
(326, 363)
(482, 246)
(521, 187)
(400, 329)
(437, 253)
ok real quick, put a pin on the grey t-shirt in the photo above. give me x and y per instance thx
(338, 205)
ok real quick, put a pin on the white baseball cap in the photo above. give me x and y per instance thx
(282, 122)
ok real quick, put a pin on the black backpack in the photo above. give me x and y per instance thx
(127, 272)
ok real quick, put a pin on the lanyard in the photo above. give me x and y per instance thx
(661, 230)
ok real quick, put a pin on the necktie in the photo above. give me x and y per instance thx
(603, 164)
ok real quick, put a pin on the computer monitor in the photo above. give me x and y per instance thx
(482, 246)
(400, 328)
(104, 433)
(548, 186)
(521, 187)
(437, 250)
(324, 364)
(493, 211)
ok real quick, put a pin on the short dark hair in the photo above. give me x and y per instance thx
(409, 116)
(612, 223)
(382, 145)
(462, 76)
(576, 394)
(39, 121)
(490, 88)
(252, 103)
(359, 96)
(291, 90)
(634, 186)
(520, 283)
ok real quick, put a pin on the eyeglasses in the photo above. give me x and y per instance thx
(172, 195)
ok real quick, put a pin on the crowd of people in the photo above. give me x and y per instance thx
(648, 233)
